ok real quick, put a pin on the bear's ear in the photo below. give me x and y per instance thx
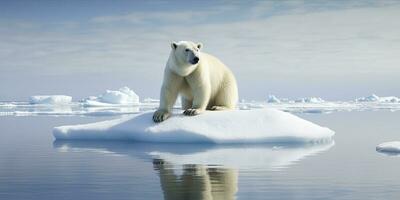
(174, 45)
(199, 45)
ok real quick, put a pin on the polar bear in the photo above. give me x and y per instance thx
(202, 81)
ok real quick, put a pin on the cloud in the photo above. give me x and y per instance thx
(168, 17)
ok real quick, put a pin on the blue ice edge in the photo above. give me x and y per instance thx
(220, 127)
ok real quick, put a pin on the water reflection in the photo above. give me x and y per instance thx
(200, 171)
(196, 181)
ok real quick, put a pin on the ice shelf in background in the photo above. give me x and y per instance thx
(236, 126)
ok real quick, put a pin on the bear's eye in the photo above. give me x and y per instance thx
(187, 50)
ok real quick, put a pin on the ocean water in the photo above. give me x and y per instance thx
(34, 166)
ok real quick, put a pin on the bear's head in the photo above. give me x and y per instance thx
(186, 56)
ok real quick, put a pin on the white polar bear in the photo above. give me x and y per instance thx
(202, 80)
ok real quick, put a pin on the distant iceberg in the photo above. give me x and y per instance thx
(50, 99)
(123, 96)
(376, 98)
(310, 100)
(236, 126)
(273, 99)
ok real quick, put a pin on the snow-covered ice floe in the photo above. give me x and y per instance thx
(240, 156)
(123, 96)
(50, 99)
(389, 147)
(236, 126)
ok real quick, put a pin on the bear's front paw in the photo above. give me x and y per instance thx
(192, 111)
(160, 115)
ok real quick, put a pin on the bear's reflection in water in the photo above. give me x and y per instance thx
(196, 182)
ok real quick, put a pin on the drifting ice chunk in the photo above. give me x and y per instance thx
(236, 126)
(389, 147)
(50, 99)
(124, 96)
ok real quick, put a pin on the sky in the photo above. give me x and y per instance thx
(337, 50)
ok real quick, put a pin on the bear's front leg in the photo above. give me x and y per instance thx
(161, 115)
(169, 93)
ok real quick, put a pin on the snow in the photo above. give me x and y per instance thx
(236, 126)
(376, 98)
(122, 96)
(50, 99)
(389, 147)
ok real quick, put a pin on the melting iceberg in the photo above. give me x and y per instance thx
(236, 126)
(50, 99)
(123, 96)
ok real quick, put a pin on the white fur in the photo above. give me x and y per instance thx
(208, 84)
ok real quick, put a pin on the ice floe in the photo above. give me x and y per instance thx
(123, 96)
(50, 99)
(389, 147)
(236, 126)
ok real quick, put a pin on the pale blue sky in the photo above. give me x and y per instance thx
(333, 49)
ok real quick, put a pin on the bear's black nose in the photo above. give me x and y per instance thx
(196, 60)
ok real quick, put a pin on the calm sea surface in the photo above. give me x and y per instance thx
(34, 166)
